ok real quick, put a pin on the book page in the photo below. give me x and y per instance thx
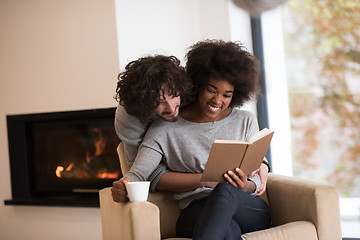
(230, 141)
(260, 134)
(255, 154)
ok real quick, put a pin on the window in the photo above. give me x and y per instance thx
(312, 68)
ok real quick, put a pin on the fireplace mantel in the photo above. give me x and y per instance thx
(90, 200)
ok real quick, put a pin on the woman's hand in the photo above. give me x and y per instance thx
(239, 180)
(263, 173)
(118, 190)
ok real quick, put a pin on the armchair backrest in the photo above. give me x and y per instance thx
(123, 164)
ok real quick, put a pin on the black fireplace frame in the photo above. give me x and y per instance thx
(19, 132)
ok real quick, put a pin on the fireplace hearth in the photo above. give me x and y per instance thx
(62, 158)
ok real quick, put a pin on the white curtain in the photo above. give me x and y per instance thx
(256, 7)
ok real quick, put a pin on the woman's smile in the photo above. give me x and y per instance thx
(214, 109)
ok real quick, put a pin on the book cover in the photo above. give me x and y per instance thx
(229, 154)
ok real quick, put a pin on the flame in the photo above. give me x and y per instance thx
(71, 165)
(59, 170)
(107, 175)
(99, 146)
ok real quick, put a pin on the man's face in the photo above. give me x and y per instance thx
(168, 107)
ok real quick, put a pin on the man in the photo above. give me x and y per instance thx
(148, 89)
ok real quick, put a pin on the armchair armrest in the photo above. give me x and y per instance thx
(292, 199)
(129, 220)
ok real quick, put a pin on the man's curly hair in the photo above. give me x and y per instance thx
(138, 87)
(224, 61)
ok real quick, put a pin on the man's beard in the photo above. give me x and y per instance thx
(174, 119)
(171, 118)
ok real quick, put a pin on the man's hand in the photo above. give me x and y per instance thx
(118, 190)
(263, 173)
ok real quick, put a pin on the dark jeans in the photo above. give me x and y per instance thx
(226, 213)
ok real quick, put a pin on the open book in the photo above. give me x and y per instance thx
(229, 154)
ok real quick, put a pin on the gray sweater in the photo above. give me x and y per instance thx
(131, 132)
(185, 146)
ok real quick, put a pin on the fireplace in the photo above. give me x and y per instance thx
(62, 158)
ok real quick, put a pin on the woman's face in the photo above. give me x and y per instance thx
(214, 99)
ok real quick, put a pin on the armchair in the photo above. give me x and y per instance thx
(299, 209)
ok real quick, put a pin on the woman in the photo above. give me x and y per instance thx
(224, 77)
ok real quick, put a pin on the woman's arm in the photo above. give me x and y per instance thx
(146, 161)
(182, 182)
(263, 171)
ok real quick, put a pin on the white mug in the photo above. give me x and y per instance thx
(138, 191)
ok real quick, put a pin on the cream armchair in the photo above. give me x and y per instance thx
(299, 209)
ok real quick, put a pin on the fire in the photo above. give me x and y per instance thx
(72, 172)
(107, 175)
(99, 159)
(59, 170)
(71, 165)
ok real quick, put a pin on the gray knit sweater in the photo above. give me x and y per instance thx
(131, 132)
(184, 146)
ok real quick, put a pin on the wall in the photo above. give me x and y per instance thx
(168, 27)
(55, 55)
(63, 55)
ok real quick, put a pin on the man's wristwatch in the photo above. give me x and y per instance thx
(267, 164)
